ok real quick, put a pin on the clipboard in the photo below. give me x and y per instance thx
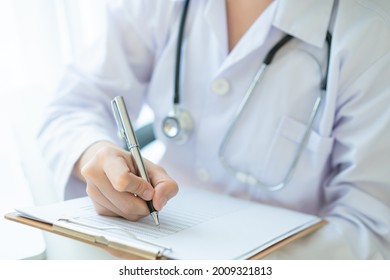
(125, 252)
(118, 250)
(137, 250)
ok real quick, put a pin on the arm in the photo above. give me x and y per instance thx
(79, 131)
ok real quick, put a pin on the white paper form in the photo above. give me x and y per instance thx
(194, 225)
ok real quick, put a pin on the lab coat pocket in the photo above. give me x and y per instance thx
(284, 149)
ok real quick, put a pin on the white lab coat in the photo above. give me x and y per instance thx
(343, 174)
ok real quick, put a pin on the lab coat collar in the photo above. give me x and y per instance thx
(215, 15)
(307, 20)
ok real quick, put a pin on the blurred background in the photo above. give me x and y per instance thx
(38, 38)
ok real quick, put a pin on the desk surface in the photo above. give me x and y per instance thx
(20, 242)
(17, 241)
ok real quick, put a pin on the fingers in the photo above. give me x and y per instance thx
(123, 179)
(164, 186)
(117, 166)
(117, 204)
(112, 183)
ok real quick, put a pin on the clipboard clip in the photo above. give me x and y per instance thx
(117, 228)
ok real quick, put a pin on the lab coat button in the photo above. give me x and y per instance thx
(203, 175)
(220, 86)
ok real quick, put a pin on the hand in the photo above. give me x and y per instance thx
(112, 184)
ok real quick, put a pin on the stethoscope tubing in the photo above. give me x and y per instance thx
(242, 176)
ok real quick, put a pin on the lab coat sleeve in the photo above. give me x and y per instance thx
(357, 194)
(80, 113)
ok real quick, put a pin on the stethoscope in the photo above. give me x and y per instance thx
(178, 125)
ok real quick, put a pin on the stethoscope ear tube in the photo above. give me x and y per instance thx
(176, 97)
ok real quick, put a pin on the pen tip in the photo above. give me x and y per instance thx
(155, 218)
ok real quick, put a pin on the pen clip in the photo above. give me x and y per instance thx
(118, 121)
(125, 129)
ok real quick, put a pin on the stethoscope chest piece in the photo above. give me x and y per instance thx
(177, 126)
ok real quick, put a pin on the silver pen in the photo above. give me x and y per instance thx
(126, 132)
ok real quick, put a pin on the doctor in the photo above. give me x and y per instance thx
(244, 135)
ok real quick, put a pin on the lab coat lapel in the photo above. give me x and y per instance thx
(215, 16)
(307, 20)
(255, 37)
